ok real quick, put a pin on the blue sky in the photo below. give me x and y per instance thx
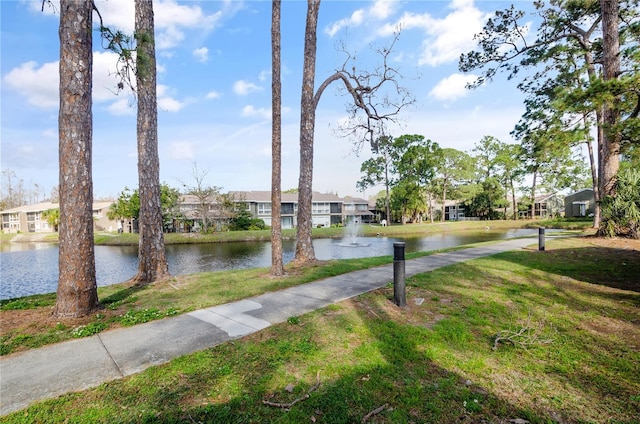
(214, 89)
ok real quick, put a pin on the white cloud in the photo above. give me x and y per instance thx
(169, 13)
(201, 54)
(264, 75)
(354, 20)
(249, 111)
(51, 7)
(445, 38)
(169, 104)
(122, 107)
(452, 87)
(116, 14)
(166, 102)
(380, 10)
(41, 85)
(50, 133)
(182, 150)
(242, 87)
(169, 38)
(105, 80)
(212, 95)
(171, 19)
(266, 151)
(38, 84)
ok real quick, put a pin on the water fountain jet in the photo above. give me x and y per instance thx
(351, 235)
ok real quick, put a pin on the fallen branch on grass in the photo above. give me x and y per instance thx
(527, 335)
(288, 406)
(374, 412)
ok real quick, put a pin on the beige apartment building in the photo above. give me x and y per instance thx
(30, 219)
(327, 210)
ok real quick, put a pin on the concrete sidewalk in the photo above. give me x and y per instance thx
(83, 363)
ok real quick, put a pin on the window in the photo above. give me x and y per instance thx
(264, 208)
(287, 209)
(33, 216)
(320, 208)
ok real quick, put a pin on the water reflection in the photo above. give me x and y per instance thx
(32, 268)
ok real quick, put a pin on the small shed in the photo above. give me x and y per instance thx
(580, 203)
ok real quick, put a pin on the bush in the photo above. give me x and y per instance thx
(244, 221)
(621, 213)
(257, 224)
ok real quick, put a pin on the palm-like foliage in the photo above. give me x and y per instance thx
(621, 213)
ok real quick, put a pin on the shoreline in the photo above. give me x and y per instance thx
(366, 230)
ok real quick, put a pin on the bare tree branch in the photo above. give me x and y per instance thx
(374, 412)
(377, 96)
(288, 405)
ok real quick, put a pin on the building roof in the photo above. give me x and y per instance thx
(36, 207)
(542, 197)
(43, 206)
(351, 199)
(579, 191)
(265, 196)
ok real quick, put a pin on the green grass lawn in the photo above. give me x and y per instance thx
(538, 336)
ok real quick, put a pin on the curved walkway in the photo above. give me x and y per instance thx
(76, 365)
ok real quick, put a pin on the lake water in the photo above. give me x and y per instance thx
(32, 268)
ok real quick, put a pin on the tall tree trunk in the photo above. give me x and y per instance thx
(152, 262)
(77, 293)
(304, 246)
(430, 207)
(444, 198)
(277, 267)
(513, 201)
(610, 148)
(533, 194)
(594, 178)
(387, 184)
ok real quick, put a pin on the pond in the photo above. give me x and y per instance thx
(32, 268)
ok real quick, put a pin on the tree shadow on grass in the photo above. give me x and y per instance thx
(611, 267)
(126, 295)
(394, 366)
(364, 356)
(588, 338)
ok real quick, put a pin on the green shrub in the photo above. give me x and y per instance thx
(621, 212)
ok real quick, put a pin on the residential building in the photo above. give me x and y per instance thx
(30, 218)
(357, 210)
(326, 208)
(454, 211)
(545, 206)
(190, 211)
(580, 203)
(258, 203)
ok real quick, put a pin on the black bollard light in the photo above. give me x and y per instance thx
(399, 295)
(541, 238)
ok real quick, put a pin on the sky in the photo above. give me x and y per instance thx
(214, 89)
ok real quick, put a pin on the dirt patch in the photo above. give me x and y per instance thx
(615, 242)
(40, 321)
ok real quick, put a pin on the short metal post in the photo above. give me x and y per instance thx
(399, 295)
(541, 238)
